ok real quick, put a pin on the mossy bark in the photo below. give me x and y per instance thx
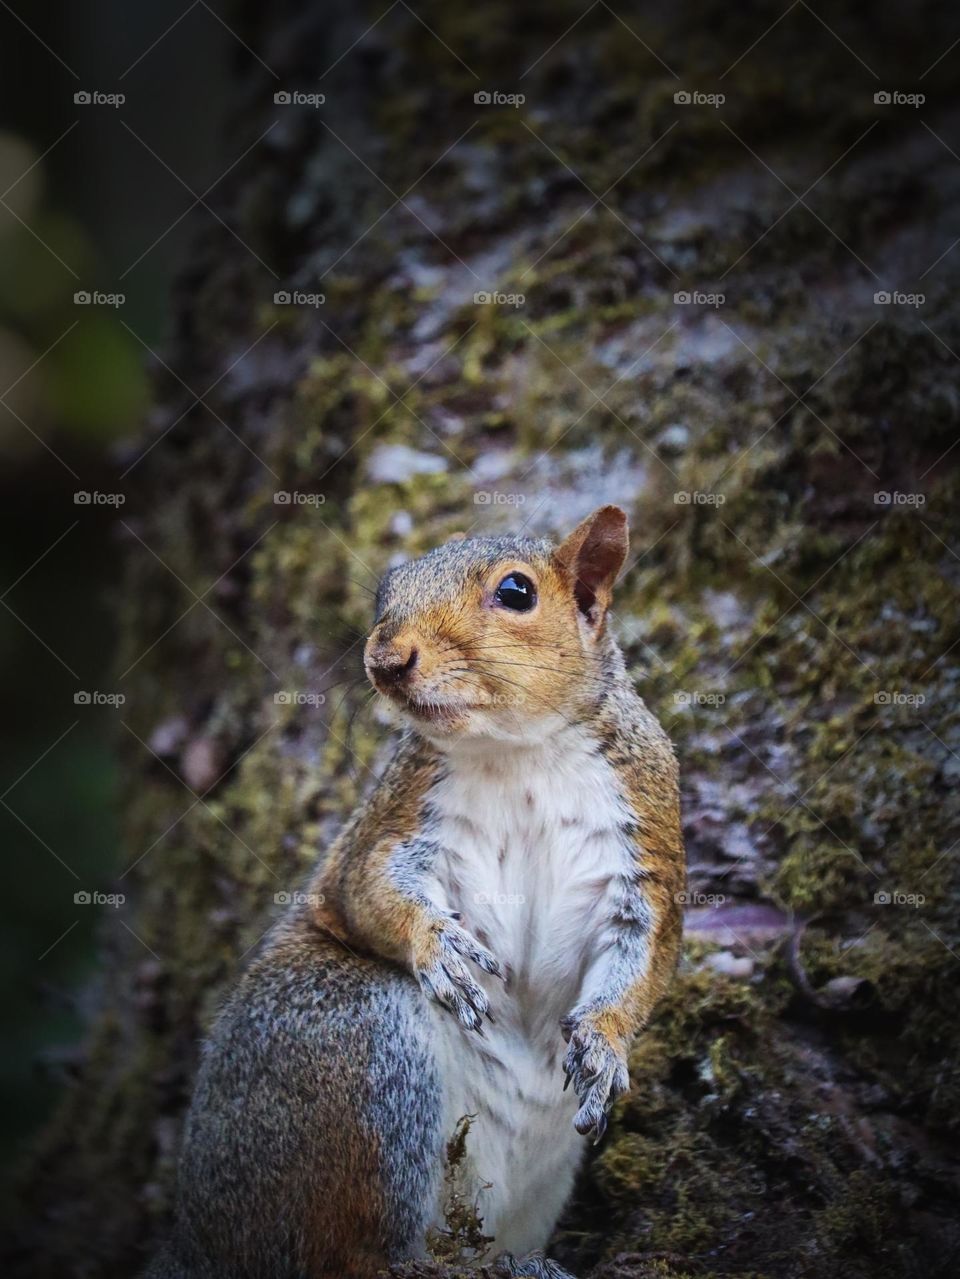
(794, 1106)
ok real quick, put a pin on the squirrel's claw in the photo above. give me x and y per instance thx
(466, 945)
(444, 989)
(533, 1266)
(598, 1074)
(445, 978)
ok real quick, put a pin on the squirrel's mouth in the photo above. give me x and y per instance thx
(440, 709)
(433, 710)
(437, 712)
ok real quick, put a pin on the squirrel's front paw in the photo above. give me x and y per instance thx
(438, 963)
(598, 1071)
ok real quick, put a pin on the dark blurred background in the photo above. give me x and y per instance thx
(89, 204)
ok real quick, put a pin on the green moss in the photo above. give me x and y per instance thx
(858, 1219)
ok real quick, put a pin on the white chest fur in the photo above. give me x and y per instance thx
(533, 856)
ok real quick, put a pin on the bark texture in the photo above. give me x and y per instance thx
(794, 1109)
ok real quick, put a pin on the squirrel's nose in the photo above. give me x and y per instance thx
(392, 663)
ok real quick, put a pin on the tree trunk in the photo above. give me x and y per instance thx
(503, 343)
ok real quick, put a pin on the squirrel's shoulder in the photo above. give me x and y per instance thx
(641, 754)
(630, 734)
(397, 794)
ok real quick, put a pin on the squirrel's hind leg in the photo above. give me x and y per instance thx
(314, 1144)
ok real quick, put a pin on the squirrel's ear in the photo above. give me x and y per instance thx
(593, 555)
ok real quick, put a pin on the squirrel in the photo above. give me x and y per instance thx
(494, 923)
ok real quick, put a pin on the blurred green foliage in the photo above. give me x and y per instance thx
(85, 205)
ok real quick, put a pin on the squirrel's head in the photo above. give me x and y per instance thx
(497, 636)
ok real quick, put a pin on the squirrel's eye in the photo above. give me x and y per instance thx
(516, 592)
